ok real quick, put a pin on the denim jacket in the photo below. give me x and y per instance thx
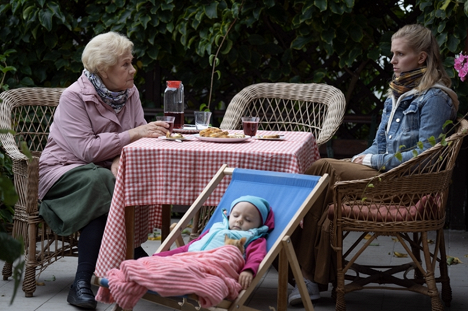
(413, 118)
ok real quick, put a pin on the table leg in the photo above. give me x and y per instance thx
(166, 221)
(130, 231)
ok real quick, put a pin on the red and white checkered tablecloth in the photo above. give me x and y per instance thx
(153, 172)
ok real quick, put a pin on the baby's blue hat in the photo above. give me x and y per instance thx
(261, 204)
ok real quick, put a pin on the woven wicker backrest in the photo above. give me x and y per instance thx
(29, 113)
(415, 190)
(315, 108)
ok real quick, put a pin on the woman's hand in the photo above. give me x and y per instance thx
(245, 278)
(115, 166)
(152, 129)
(359, 159)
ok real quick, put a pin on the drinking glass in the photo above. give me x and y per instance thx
(250, 125)
(169, 120)
(202, 119)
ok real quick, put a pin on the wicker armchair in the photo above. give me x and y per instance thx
(406, 202)
(315, 108)
(29, 112)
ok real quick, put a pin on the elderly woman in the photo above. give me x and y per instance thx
(419, 102)
(97, 116)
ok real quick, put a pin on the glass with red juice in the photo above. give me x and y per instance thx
(250, 125)
(169, 120)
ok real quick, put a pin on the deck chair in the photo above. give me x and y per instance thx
(290, 195)
(407, 203)
(29, 113)
(312, 107)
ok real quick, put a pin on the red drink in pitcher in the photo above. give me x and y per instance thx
(250, 127)
(179, 119)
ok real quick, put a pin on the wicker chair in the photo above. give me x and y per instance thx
(406, 202)
(315, 108)
(29, 112)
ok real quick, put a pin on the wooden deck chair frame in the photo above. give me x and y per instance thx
(282, 247)
(309, 107)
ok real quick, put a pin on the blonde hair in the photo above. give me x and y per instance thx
(104, 50)
(421, 39)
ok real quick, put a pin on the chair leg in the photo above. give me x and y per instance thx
(444, 278)
(340, 301)
(29, 282)
(430, 278)
(417, 253)
(7, 270)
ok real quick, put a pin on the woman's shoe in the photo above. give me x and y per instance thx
(81, 295)
(313, 289)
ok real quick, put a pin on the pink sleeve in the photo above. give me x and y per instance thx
(254, 255)
(180, 249)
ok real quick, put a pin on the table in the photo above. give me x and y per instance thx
(156, 172)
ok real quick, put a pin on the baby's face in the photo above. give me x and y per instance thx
(244, 216)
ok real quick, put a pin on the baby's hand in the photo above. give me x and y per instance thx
(245, 278)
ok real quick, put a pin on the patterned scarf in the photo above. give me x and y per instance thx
(114, 99)
(406, 81)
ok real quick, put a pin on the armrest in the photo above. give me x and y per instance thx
(9, 144)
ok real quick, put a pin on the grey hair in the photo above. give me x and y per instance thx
(104, 50)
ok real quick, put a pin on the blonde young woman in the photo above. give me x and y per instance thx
(97, 116)
(419, 102)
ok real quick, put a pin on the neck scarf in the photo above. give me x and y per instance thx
(406, 81)
(114, 99)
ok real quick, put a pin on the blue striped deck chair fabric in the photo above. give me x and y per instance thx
(290, 197)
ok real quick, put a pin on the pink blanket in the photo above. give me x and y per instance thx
(212, 275)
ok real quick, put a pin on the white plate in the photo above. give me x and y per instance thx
(260, 137)
(221, 140)
(175, 138)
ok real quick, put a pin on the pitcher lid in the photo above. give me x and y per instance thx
(173, 84)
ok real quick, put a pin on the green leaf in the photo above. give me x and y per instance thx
(321, 4)
(432, 140)
(443, 142)
(452, 44)
(399, 156)
(211, 10)
(210, 60)
(353, 54)
(370, 186)
(228, 46)
(415, 153)
(153, 52)
(27, 12)
(219, 74)
(356, 33)
(45, 18)
(374, 54)
(349, 3)
(447, 123)
(300, 42)
(10, 248)
(420, 145)
(328, 35)
(441, 38)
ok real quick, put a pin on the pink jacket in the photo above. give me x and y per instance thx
(86, 130)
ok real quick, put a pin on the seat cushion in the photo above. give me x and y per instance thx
(425, 209)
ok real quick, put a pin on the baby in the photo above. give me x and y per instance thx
(251, 218)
